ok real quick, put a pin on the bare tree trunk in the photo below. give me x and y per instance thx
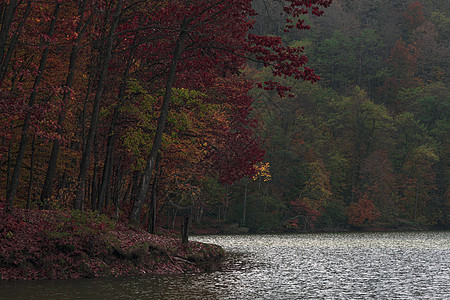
(145, 182)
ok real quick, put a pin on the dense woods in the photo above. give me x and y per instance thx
(367, 146)
(151, 110)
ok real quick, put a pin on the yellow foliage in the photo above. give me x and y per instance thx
(263, 171)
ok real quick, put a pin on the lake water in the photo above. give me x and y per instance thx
(405, 265)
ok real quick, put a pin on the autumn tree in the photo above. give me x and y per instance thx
(363, 211)
(193, 39)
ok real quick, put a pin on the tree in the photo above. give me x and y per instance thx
(413, 16)
(231, 43)
(304, 211)
(343, 56)
(359, 127)
(418, 183)
(379, 183)
(362, 212)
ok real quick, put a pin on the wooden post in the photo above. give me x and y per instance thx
(185, 229)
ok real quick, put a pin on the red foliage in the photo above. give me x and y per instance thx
(413, 17)
(236, 149)
(403, 63)
(302, 208)
(309, 214)
(77, 94)
(363, 211)
(47, 244)
(403, 58)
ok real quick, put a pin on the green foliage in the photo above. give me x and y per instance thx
(213, 193)
(377, 123)
(333, 216)
(265, 213)
(382, 163)
(441, 19)
(144, 107)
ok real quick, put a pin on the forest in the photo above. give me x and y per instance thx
(259, 116)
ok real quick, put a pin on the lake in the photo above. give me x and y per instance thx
(391, 265)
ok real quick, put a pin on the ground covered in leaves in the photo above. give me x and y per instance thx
(38, 244)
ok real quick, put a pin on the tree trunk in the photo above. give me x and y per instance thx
(244, 209)
(94, 185)
(185, 230)
(152, 212)
(175, 212)
(227, 202)
(9, 10)
(135, 186)
(30, 183)
(84, 163)
(5, 60)
(51, 169)
(143, 189)
(8, 166)
(108, 166)
(416, 200)
(118, 185)
(61, 192)
(1, 157)
(11, 194)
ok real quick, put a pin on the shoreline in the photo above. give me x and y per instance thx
(40, 245)
(234, 230)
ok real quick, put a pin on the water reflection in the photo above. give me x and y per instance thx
(313, 266)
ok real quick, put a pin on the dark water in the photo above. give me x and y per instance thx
(413, 265)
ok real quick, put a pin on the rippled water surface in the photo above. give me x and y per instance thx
(414, 265)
